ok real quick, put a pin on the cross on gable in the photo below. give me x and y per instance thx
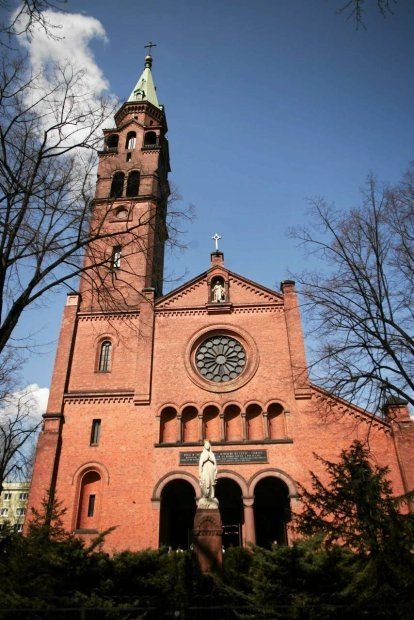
(216, 238)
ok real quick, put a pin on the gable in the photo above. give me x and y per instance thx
(244, 291)
(241, 291)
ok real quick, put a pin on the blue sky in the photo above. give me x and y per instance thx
(269, 103)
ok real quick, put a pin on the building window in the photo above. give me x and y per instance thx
(133, 184)
(4, 512)
(220, 358)
(7, 496)
(128, 156)
(95, 432)
(18, 528)
(131, 140)
(23, 496)
(117, 185)
(150, 138)
(20, 512)
(91, 505)
(105, 356)
(89, 501)
(116, 257)
(111, 142)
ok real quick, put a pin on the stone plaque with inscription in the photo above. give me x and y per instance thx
(227, 457)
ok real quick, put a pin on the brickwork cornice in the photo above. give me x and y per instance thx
(77, 398)
(203, 310)
(107, 316)
(343, 407)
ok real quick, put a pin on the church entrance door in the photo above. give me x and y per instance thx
(177, 514)
(271, 512)
(229, 495)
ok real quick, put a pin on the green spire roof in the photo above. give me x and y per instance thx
(144, 89)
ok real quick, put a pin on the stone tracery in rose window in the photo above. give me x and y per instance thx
(220, 358)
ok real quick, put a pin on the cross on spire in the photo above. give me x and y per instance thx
(216, 238)
(150, 45)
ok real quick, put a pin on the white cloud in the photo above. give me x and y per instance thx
(31, 401)
(68, 91)
(69, 43)
(40, 396)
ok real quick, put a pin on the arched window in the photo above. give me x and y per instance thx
(111, 142)
(116, 257)
(254, 422)
(117, 186)
(211, 423)
(89, 500)
(133, 184)
(105, 355)
(131, 140)
(276, 421)
(168, 425)
(232, 423)
(189, 424)
(150, 138)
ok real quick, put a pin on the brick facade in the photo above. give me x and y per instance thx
(149, 402)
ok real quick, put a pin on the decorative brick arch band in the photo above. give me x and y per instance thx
(174, 475)
(78, 480)
(226, 473)
(92, 466)
(273, 473)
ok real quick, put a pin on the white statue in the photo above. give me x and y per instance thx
(218, 292)
(207, 469)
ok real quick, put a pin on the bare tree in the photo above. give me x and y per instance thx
(25, 16)
(48, 143)
(19, 424)
(356, 9)
(359, 303)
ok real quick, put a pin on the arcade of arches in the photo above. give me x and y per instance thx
(233, 423)
(255, 513)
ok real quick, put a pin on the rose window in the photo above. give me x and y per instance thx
(220, 359)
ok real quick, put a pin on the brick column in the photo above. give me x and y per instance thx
(249, 531)
(244, 425)
(63, 358)
(179, 428)
(222, 428)
(49, 443)
(396, 411)
(200, 428)
(143, 374)
(296, 341)
(266, 429)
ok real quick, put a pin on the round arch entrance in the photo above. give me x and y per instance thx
(177, 514)
(229, 495)
(271, 512)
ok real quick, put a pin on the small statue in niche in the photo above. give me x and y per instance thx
(217, 292)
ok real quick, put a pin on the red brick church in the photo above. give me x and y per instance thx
(142, 378)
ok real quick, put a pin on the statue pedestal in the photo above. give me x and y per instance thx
(207, 538)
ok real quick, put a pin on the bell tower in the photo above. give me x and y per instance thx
(128, 223)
